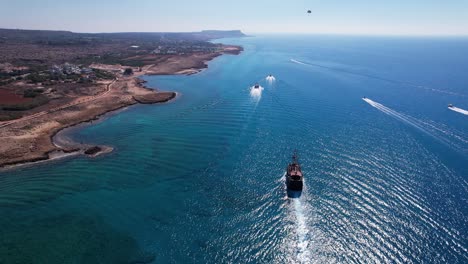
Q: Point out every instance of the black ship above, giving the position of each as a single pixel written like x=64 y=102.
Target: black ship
x=294 y=178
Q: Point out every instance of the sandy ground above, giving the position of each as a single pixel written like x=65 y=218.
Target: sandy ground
x=29 y=139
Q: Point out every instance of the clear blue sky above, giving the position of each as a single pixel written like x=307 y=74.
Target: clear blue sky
x=402 y=17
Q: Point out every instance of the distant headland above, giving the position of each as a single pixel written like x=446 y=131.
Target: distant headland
x=50 y=80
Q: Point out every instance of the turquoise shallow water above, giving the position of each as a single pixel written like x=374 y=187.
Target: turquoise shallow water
x=200 y=180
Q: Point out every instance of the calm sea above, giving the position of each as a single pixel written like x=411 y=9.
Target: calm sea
x=201 y=179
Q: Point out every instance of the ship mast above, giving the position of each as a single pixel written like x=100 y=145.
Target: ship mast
x=294 y=157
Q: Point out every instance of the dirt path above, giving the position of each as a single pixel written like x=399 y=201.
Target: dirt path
x=81 y=100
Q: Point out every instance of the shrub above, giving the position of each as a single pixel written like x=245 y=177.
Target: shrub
x=37 y=101
x=36 y=78
x=32 y=93
x=100 y=74
x=128 y=71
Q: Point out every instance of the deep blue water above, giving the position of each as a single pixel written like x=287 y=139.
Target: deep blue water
x=201 y=179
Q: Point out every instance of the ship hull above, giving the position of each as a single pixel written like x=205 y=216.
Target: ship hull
x=293 y=185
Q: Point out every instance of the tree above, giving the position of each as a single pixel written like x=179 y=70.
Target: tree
x=128 y=71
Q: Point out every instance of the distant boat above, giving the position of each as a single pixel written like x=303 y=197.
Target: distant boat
x=256 y=86
x=294 y=178
x=450 y=105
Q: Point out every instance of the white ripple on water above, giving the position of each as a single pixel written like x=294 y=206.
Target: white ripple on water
x=371 y=209
x=302 y=230
x=378 y=78
x=441 y=128
x=419 y=210
x=409 y=120
x=420 y=125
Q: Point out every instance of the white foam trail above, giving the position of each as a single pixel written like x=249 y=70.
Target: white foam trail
x=459 y=110
x=302 y=232
x=256 y=93
x=298 y=62
x=422 y=126
x=270 y=79
x=409 y=120
x=379 y=78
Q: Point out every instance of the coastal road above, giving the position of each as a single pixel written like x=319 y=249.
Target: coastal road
x=76 y=102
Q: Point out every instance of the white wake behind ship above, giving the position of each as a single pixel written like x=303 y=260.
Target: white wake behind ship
x=458 y=110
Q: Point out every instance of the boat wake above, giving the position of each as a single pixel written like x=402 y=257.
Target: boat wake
x=301 y=253
x=256 y=93
x=270 y=79
x=299 y=62
x=378 y=78
x=443 y=135
x=302 y=232
x=458 y=110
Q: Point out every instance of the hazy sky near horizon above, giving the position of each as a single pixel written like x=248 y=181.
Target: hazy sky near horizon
x=382 y=17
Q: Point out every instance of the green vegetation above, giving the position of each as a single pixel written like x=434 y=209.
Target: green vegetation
x=128 y=71
x=38 y=100
x=100 y=74
x=38 y=77
x=8 y=115
x=8 y=75
x=34 y=67
x=112 y=59
x=132 y=63
x=5 y=82
x=84 y=80
x=32 y=93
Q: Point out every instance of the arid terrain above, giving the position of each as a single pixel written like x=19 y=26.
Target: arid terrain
x=42 y=92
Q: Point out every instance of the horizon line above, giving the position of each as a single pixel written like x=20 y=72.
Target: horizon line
x=250 y=34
